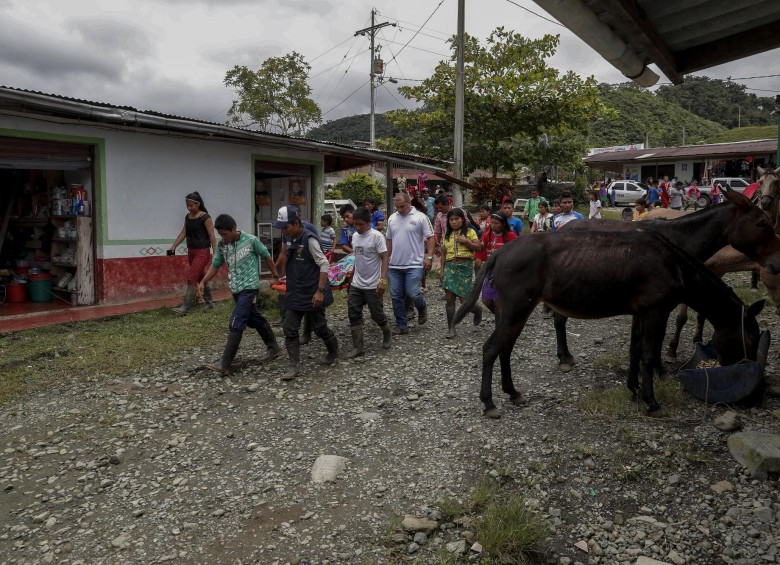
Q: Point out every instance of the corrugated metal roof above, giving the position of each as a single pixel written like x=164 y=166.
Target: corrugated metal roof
x=712 y=150
x=11 y=97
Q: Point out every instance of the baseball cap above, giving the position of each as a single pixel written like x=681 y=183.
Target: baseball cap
x=286 y=215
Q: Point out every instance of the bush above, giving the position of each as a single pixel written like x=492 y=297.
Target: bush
x=333 y=194
x=490 y=191
x=359 y=186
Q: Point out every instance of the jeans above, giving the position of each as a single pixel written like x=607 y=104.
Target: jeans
x=359 y=297
x=245 y=313
x=292 y=323
x=405 y=283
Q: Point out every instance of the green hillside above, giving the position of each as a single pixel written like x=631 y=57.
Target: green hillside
x=354 y=128
x=641 y=113
x=745 y=134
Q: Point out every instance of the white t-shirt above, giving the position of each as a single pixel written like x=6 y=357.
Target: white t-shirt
x=368 y=264
x=595 y=209
x=408 y=234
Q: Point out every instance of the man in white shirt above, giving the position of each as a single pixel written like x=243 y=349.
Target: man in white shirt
x=410 y=243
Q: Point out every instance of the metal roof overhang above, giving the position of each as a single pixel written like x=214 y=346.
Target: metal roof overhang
x=336 y=157
x=735 y=150
x=680 y=36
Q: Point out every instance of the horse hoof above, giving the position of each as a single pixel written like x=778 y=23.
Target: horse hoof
x=519 y=400
x=493 y=413
x=656 y=412
x=565 y=367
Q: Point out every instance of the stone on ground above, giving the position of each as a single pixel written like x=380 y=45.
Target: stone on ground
x=759 y=452
x=327 y=467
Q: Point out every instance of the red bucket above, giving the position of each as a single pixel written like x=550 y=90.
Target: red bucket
x=16 y=293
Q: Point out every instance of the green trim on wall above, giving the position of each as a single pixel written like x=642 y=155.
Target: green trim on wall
x=99 y=190
x=317 y=182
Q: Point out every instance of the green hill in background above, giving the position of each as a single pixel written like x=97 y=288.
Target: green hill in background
x=745 y=134
x=354 y=129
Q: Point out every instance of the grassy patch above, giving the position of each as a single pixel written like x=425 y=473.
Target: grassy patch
x=611 y=403
x=610 y=361
x=507 y=530
x=44 y=358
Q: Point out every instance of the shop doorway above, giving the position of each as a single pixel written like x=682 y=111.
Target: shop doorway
x=47 y=255
x=278 y=184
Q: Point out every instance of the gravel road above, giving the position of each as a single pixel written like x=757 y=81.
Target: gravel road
x=170 y=464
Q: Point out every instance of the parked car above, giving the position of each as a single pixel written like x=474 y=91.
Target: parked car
x=627 y=192
x=735 y=183
x=332 y=207
x=520 y=207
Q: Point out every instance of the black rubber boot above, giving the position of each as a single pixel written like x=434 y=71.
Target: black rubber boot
x=294 y=369
x=269 y=338
x=208 y=298
x=387 y=335
x=231 y=347
x=477 y=311
x=333 y=351
x=306 y=337
x=189 y=301
x=450 y=308
x=358 y=343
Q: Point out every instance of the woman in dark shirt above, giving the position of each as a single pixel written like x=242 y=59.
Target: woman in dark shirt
x=198 y=230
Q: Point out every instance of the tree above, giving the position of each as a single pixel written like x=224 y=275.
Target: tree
x=510 y=91
x=275 y=98
x=359 y=186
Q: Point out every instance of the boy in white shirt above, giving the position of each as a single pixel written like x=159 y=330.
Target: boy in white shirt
x=369 y=281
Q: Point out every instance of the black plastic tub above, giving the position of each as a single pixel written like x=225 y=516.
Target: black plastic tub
x=731 y=383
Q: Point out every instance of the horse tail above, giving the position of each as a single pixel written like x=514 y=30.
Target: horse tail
x=476 y=289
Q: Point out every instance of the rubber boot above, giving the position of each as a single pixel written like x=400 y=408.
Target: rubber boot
x=450 y=315
x=333 y=351
x=231 y=347
x=189 y=301
x=269 y=338
x=387 y=335
x=306 y=337
x=477 y=311
x=208 y=298
x=294 y=369
x=358 y=344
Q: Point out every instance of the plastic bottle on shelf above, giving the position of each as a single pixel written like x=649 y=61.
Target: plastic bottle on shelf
x=74 y=207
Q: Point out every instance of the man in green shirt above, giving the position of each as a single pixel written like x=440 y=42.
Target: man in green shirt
x=242 y=252
x=532 y=206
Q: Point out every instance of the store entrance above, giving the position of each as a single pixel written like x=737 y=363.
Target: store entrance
x=278 y=184
x=46 y=229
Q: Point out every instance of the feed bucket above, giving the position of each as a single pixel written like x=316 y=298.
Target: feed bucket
x=40 y=287
x=16 y=292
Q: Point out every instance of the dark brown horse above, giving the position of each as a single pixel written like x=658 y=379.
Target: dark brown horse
x=737 y=223
x=640 y=273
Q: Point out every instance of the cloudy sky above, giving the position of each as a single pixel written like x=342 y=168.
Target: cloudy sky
x=172 y=55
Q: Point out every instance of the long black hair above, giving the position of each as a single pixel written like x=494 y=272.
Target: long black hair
x=195 y=197
x=504 y=222
x=464 y=229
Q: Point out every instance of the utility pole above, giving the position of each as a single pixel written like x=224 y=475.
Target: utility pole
x=683 y=135
x=457 y=195
x=371 y=32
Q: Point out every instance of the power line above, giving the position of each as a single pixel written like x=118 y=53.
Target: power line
x=417 y=49
x=415 y=26
x=351 y=94
x=749 y=78
x=338 y=64
x=535 y=14
x=331 y=49
x=436 y=9
x=394 y=98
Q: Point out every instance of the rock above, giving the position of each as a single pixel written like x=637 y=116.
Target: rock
x=253 y=387
x=121 y=541
x=759 y=452
x=368 y=416
x=728 y=422
x=618 y=519
x=39 y=519
x=414 y=524
x=413 y=548
x=642 y=560
x=673 y=480
x=582 y=545
x=456 y=547
x=477 y=547
x=327 y=467
x=420 y=538
x=721 y=486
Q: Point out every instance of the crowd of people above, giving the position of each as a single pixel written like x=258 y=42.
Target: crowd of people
x=382 y=254
x=662 y=193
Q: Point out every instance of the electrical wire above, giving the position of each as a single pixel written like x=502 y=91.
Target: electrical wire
x=535 y=14
x=331 y=49
x=417 y=49
x=351 y=94
x=401 y=104
x=436 y=9
x=416 y=26
x=341 y=78
x=339 y=63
